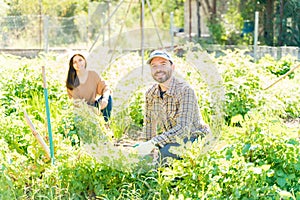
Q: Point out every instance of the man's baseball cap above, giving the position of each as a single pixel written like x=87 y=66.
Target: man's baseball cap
x=161 y=54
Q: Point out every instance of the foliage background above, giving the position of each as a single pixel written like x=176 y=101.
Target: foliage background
x=227 y=21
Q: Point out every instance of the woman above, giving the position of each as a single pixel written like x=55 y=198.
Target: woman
x=88 y=85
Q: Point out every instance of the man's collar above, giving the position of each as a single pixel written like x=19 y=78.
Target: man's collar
x=170 y=91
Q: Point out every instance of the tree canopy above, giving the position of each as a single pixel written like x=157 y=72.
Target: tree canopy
x=279 y=19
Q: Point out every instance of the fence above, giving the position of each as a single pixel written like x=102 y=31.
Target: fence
x=29 y=35
x=42 y=32
x=45 y=32
x=32 y=34
x=276 y=52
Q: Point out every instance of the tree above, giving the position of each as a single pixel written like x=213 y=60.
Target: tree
x=268 y=17
x=162 y=9
x=52 y=8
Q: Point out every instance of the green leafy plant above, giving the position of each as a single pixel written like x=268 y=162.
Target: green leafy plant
x=217 y=29
x=256 y=158
x=280 y=67
x=136 y=109
x=242 y=84
x=251 y=166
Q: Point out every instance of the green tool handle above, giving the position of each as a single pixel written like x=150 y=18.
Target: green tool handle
x=48 y=115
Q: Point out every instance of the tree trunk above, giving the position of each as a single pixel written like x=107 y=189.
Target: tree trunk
x=198 y=19
x=212 y=9
x=280 y=38
x=269 y=23
x=190 y=20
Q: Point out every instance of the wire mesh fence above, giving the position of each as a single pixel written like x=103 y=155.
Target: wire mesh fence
x=103 y=22
x=42 y=32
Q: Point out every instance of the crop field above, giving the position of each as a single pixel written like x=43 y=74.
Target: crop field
x=253 y=152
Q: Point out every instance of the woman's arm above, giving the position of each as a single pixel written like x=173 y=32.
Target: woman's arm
x=103 y=91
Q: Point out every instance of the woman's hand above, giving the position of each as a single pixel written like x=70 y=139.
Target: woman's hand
x=103 y=103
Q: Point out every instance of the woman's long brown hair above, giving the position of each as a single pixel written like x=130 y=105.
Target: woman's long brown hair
x=72 y=78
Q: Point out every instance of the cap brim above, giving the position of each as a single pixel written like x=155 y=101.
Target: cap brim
x=158 y=56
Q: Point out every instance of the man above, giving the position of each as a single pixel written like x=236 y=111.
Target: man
x=170 y=108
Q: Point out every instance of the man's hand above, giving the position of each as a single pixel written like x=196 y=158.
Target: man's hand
x=145 y=148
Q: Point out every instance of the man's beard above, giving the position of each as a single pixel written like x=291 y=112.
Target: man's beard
x=162 y=78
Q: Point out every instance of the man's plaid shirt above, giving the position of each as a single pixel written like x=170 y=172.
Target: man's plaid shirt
x=175 y=115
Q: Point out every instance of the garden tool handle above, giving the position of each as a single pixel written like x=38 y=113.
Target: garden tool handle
x=44 y=77
x=37 y=135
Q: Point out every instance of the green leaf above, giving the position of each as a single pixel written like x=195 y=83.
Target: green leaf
x=228 y=154
x=246 y=148
x=281 y=182
x=291 y=176
x=297 y=166
x=280 y=173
